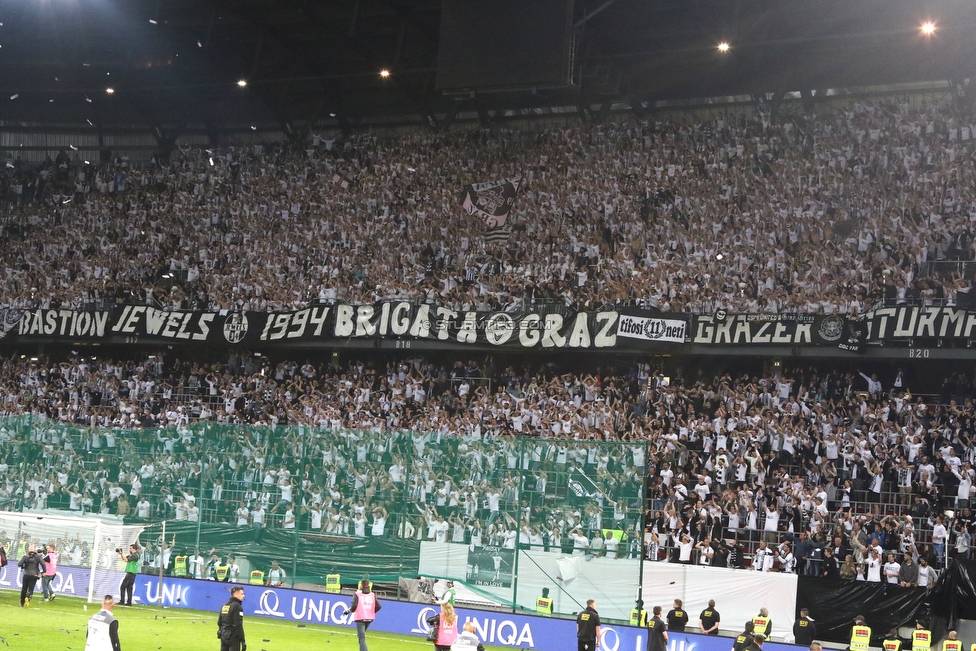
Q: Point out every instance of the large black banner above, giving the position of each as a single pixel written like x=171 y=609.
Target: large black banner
x=884 y=325
x=404 y=320
x=630 y=329
x=790 y=329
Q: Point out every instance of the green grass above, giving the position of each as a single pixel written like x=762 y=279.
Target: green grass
x=61 y=625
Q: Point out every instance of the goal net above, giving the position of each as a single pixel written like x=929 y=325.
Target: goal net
x=88 y=565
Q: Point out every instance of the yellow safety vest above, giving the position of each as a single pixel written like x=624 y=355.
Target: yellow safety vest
x=892 y=645
x=761 y=624
x=221 y=572
x=543 y=605
x=638 y=617
x=179 y=566
x=921 y=639
x=952 y=645
x=332 y=583
x=860 y=637
x=257 y=577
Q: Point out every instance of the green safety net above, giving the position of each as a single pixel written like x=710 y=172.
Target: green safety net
x=323 y=501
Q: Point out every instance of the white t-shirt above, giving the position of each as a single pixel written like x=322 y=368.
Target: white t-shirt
x=440 y=531
x=891 y=570
x=874 y=569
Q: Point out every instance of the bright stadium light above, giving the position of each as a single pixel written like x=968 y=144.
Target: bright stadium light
x=110 y=90
x=384 y=73
x=242 y=83
x=928 y=28
x=723 y=47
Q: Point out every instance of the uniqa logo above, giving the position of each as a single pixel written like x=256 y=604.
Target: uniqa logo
x=265 y=606
x=319 y=611
x=422 y=626
x=505 y=632
x=62 y=583
x=172 y=594
x=609 y=639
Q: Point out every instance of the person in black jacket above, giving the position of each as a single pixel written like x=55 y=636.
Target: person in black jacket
x=657 y=634
x=830 y=567
x=230 y=623
x=804 y=629
x=744 y=639
x=33 y=567
x=677 y=618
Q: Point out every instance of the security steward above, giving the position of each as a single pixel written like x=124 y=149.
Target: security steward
x=709 y=619
x=921 y=637
x=543 y=604
x=179 y=565
x=588 y=627
x=891 y=642
x=763 y=623
x=804 y=629
x=657 y=634
x=757 y=643
x=103 y=629
x=638 y=616
x=677 y=618
x=744 y=639
x=230 y=623
x=860 y=635
x=952 y=642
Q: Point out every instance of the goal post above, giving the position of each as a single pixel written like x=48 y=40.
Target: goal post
x=87 y=563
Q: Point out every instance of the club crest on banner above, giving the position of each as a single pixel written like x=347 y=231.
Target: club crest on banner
x=235 y=328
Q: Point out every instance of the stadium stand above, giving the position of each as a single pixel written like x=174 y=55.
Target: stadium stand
x=827 y=213
x=803 y=456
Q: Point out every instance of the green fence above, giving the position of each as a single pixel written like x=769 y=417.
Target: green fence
x=490 y=512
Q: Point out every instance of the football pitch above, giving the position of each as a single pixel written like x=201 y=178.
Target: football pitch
x=62 y=623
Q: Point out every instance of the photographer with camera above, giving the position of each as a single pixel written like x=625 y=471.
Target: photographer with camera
x=131 y=569
x=33 y=566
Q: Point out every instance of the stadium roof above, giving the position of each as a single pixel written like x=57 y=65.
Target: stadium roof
x=177 y=63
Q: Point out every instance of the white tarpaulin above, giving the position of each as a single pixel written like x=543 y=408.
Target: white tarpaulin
x=738 y=594
x=571 y=579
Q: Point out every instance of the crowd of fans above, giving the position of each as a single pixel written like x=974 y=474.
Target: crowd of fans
x=822 y=213
x=786 y=465
x=822 y=471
